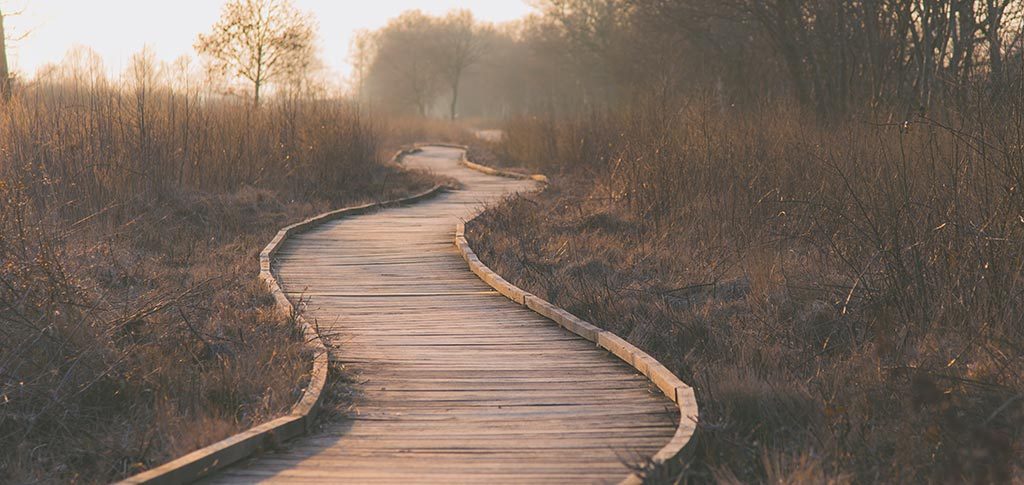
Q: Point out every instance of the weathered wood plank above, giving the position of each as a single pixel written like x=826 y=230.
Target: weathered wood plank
x=453 y=382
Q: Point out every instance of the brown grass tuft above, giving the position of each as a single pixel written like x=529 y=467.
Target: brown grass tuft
x=846 y=299
x=132 y=325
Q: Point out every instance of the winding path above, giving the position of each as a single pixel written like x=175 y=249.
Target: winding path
x=453 y=382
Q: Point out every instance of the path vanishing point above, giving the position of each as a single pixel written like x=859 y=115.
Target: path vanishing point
x=453 y=383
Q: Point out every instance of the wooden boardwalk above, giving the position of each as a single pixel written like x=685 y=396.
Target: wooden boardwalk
x=453 y=382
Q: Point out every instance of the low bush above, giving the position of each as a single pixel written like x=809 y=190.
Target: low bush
x=133 y=328
x=846 y=298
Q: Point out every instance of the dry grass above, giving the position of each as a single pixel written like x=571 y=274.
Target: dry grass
x=401 y=131
x=846 y=299
x=132 y=325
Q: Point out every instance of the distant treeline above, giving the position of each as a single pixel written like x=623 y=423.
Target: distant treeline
x=810 y=210
x=573 y=55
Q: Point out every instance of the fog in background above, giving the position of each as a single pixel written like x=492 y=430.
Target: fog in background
x=830 y=57
x=115 y=29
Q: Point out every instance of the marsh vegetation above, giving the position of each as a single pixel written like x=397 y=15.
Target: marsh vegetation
x=133 y=328
x=811 y=211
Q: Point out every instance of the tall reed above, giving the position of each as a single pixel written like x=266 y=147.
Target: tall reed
x=132 y=325
x=847 y=298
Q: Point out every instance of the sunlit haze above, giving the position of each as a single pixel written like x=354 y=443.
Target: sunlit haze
x=117 y=28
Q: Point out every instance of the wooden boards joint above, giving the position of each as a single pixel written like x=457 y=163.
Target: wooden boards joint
x=668 y=383
x=301 y=418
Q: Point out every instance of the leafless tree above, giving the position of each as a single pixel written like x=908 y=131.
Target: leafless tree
x=5 y=75
x=592 y=38
x=416 y=58
x=261 y=41
x=830 y=57
x=404 y=71
x=141 y=78
x=362 y=52
x=460 y=44
x=837 y=56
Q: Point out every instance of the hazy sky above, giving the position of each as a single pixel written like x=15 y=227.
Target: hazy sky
x=117 y=28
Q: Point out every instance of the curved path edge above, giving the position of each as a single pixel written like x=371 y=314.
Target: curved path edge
x=484 y=168
x=302 y=415
x=669 y=384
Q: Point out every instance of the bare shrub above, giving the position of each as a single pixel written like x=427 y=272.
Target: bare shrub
x=132 y=325
x=846 y=298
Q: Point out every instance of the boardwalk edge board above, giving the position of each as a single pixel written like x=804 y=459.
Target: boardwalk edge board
x=301 y=417
x=668 y=383
x=400 y=154
x=484 y=168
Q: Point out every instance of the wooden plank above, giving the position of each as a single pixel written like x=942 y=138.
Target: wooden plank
x=452 y=381
x=670 y=385
x=301 y=415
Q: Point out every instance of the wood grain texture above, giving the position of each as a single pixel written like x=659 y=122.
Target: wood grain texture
x=453 y=382
x=301 y=416
x=667 y=382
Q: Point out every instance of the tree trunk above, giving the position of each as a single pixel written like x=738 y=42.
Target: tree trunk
x=995 y=45
x=5 y=75
x=455 y=96
x=258 y=82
